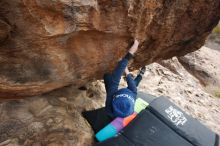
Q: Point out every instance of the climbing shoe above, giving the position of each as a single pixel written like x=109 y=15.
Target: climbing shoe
x=142 y=71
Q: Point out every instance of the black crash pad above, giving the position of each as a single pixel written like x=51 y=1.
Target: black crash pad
x=98 y=118
x=146 y=130
x=116 y=141
x=186 y=126
x=146 y=97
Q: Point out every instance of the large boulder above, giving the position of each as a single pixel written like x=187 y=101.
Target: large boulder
x=52 y=119
x=45 y=44
x=205 y=66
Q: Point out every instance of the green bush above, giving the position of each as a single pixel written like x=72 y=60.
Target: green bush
x=217 y=94
x=217 y=29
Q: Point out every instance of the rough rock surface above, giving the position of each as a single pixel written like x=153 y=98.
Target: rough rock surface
x=208 y=75
x=45 y=45
x=54 y=119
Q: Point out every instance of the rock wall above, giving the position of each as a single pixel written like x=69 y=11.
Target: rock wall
x=54 y=119
x=208 y=74
x=45 y=45
x=49 y=120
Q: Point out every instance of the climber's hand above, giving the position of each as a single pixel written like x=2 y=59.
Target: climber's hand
x=134 y=47
x=126 y=71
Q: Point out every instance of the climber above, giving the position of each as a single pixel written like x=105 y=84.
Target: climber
x=120 y=103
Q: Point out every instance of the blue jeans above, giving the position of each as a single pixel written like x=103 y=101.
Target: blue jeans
x=112 y=82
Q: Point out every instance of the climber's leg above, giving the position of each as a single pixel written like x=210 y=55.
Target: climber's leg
x=131 y=83
x=139 y=77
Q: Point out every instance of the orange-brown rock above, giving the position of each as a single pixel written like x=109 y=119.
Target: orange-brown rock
x=48 y=44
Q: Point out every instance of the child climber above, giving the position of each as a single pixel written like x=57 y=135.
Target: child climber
x=120 y=102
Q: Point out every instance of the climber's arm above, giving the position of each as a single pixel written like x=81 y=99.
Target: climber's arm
x=130 y=81
x=119 y=70
x=112 y=80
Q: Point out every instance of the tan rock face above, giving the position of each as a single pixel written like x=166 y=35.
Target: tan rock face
x=208 y=74
x=54 y=119
x=45 y=45
x=50 y=120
